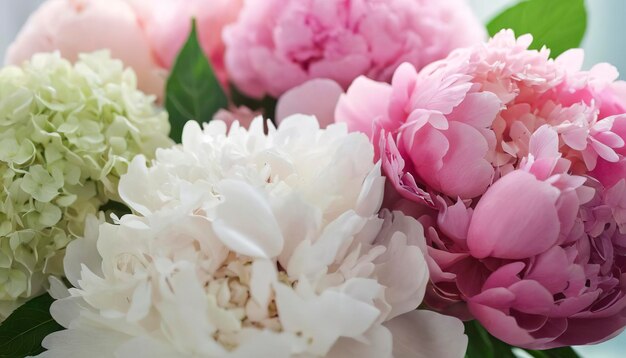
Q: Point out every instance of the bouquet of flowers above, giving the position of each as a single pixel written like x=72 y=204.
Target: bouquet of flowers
x=309 y=178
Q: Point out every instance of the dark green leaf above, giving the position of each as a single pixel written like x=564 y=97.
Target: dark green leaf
x=565 y=352
x=193 y=92
x=501 y=349
x=267 y=105
x=21 y=334
x=114 y=207
x=484 y=345
x=480 y=342
x=557 y=24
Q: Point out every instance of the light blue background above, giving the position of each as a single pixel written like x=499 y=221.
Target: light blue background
x=605 y=42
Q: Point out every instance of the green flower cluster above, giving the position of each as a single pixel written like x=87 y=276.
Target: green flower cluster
x=67 y=133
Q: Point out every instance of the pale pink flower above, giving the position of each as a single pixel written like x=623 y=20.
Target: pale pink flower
x=145 y=34
x=279 y=44
x=317 y=98
x=167 y=24
x=475 y=112
x=80 y=26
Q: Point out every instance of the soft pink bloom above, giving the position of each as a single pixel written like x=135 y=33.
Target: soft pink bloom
x=145 y=34
x=279 y=44
x=516 y=166
x=167 y=24
x=317 y=98
x=475 y=111
x=78 y=26
x=538 y=260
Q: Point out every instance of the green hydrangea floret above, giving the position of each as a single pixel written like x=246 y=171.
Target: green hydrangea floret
x=67 y=133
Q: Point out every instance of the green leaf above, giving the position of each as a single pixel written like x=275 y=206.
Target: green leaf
x=484 y=345
x=192 y=92
x=480 y=342
x=558 y=24
x=114 y=207
x=21 y=334
x=267 y=105
x=565 y=352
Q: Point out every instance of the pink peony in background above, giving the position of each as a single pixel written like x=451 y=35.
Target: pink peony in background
x=78 y=26
x=145 y=34
x=279 y=44
x=167 y=24
x=515 y=164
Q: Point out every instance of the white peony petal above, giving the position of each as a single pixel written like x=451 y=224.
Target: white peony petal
x=298 y=123
x=245 y=221
x=404 y=292
x=426 y=334
x=263 y=276
x=184 y=307
x=192 y=137
x=82 y=342
x=296 y=228
x=81 y=252
x=363 y=289
x=148 y=347
x=141 y=302
x=66 y=310
x=309 y=258
x=132 y=187
x=263 y=343
x=323 y=319
x=57 y=289
x=378 y=344
x=371 y=196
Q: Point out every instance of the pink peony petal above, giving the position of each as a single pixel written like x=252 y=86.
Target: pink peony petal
x=551 y=270
x=504 y=276
x=477 y=109
x=465 y=172
x=316 y=97
x=394 y=167
x=516 y=218
x=531 y=297
x=454 y=220
x=364 y=102
x=499 y=297
x=501 y=325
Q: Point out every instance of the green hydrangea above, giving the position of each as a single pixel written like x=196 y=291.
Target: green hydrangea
x=67 y=133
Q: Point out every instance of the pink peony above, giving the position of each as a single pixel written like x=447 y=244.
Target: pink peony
x=475 y=111
x=279 y=44
x=78 y=26
x=145 y=34
x=167 y=24
x=516 y=165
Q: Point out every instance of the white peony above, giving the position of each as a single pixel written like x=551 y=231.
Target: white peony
x=253 y=245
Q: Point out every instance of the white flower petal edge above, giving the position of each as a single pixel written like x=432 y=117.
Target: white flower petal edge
x=429 y=342
x=251 y=244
